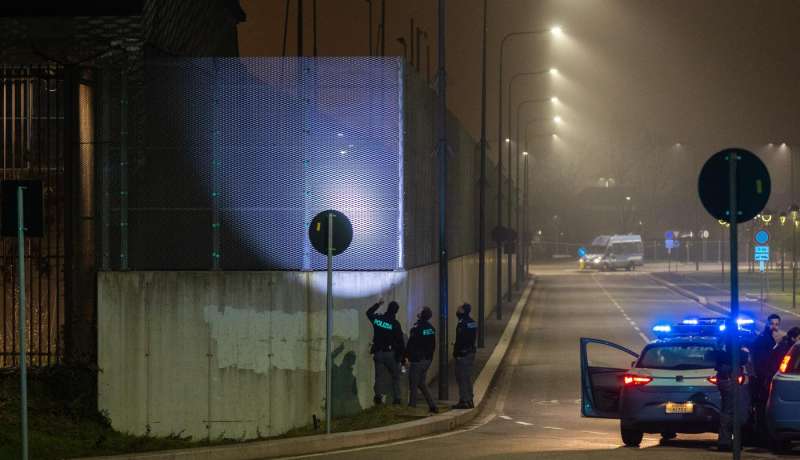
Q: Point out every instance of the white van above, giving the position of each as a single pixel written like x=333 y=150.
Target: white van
x=621 y=251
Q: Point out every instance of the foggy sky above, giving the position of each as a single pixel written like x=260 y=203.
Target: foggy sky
x=636 y=76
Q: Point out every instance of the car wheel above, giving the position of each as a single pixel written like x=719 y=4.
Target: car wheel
x=666 y=436
x=631 y=438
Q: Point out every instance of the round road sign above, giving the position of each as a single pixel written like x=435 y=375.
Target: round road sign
x=761 y=237
x=342 y=232
x=753 y=185
x=581 y=252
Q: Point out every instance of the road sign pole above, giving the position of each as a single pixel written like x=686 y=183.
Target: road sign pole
x=329 y=329
x=23 y=368
x=732 y=324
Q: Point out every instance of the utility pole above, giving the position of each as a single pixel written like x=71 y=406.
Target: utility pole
x=383 y=28
x=299 y=28
x=482 y=185
x=443 y=257
x=314 y=14
x=369 y=27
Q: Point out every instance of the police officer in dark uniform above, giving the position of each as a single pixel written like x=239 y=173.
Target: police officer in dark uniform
x=464 y=354
x=419 y=353
x=725 y=384
x=387 y=347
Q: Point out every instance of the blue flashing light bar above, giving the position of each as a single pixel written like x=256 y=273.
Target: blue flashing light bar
x=691 y=321
x=662 y=328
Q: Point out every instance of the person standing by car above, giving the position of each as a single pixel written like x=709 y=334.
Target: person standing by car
x=725 y=384
x=387 y=347
x=419 y=353
x=759 y=385
x=464 y=354
x=781 y=349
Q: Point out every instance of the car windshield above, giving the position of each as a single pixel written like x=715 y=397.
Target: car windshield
x=685 y=356
x=596 y=250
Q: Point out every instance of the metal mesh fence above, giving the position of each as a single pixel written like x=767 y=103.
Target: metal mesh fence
x=242 y=153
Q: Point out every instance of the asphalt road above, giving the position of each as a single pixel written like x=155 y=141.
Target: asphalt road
x=533 y=409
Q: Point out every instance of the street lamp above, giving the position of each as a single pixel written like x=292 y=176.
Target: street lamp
x=555 y=30
x=766 y=216
x=794 y=213
x=520 y=238
x=510 y=99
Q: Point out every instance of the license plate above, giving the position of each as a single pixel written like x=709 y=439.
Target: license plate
x=679 y=408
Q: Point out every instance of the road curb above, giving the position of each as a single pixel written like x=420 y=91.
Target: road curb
x=308 y=445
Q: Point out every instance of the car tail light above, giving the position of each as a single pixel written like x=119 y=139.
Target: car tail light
x=785 y=363
x=713 y=379
x=633 y=380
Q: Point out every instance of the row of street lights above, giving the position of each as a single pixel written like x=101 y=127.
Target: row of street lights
x=556 y=31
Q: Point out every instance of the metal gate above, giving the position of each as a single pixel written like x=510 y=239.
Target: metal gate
x=32 y=131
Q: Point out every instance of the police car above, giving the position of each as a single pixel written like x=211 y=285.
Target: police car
x=669 y=388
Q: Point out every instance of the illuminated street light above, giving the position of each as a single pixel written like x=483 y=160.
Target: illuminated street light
x=627 y=198
x=557 y=119
x=553 y=71
x=554 y=100
x=766 y=216
x=782 y=218
x=508 y=140
x=555 y=136
x=556 y=30
x=525 y=153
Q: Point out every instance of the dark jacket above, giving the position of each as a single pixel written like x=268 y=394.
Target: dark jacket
x=775 y=359
x=762 y=351
x=421 y=342
x=466 y=331
x=724 y=363
x=387 y=334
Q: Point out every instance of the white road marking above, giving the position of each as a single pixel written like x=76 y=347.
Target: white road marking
x=524 y=423
x=633 y=323
x=552 y=428
x=595 y=433
x=505 y=417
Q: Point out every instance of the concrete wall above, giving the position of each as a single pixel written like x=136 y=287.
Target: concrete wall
x=242 y=354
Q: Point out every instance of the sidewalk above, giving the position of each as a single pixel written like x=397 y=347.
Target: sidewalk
x=487 y=362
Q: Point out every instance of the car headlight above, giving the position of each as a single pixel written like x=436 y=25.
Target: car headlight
x=598 y=260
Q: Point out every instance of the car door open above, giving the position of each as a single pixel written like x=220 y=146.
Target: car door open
x=601 y=383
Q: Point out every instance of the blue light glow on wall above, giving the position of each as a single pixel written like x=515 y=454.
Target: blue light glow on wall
x=290 y=138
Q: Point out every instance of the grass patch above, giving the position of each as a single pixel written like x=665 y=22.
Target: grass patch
x=374 y=417
x=63 y=422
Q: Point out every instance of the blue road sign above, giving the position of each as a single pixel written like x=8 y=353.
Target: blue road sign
x=761 y=254
x=581 y=252
x=668 y=235
x=761 y=237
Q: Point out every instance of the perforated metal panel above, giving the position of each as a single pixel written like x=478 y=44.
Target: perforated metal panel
x=242 y=153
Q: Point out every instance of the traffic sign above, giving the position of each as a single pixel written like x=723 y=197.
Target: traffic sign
x=753 y=185
x=761 y=254
x=705 y=234
x=668 y=235
x=669 y=244
x=581 y=252
x=761 y=237
x=342 y=232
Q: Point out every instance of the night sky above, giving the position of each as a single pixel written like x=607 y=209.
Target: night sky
x=636 y=78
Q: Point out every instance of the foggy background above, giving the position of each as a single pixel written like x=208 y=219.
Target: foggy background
x=647 y=90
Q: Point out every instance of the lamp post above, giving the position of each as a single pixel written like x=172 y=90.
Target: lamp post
x=782 y=221
x=520 y=237
x=794 y=213
x=551 y=71
x=482 y=185
x=503 y=42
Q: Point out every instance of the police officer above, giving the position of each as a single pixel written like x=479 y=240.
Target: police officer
x=419 y=353
x=464 y=354
x=762 y=349
x=387 y=347
x=725 y=384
